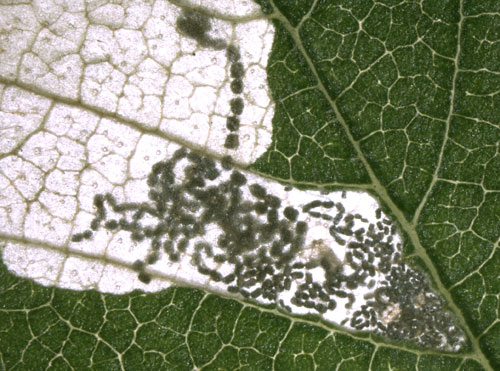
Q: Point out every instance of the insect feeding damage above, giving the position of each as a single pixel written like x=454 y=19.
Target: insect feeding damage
x=305 y=251
x=196 y=25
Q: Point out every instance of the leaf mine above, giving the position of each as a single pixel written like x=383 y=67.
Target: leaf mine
x=132 y=172
x=305 y=251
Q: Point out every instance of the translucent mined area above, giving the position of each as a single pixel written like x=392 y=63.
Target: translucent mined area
x=97 y=196
x=207 y=224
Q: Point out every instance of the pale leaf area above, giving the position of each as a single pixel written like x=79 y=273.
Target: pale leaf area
x=94 y=96
x=49 y=188
x=130 y=61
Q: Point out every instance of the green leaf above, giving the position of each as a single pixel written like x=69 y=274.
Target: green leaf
x=396 y=98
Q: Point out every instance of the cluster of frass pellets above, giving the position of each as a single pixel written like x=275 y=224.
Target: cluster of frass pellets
x=196 y=25
x=233 y=122
x=263 y=238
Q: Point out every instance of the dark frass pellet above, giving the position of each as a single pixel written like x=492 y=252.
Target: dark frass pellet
x=276 y=249
x=311 y=205
x=323 y=296
x=194 y=24
x=94 y=224
x=321 y=308
x=245 y=293
x=249 y=260
x=313 y=293
x=339 y=240
x=351 y=283
x=144 y=277
x=233 y=123
x=137 y=236
x=203 y=270
x=157 y=168
x=232 y=141
x=297 y=275
x=272 y=216
x=257 y=191
x=220 y=258
x=256 y=293
x=309 y=304
x=180 y=153
x=260 y=207
x=341 y=294
x=215 y=276
x=250 y=282
x=207 y=162
x=298 y=265
x=87 y=234
x=152 y=258
x=182 y=244
x=138 y=265
x=286 y=235
x=340 y=208
x=238 y=178
x=174 y=257
x=101 y=214
x=148 y=232
x=111 y=224
x=332 y=304
x=110 y=198
x=359 y=231
x=237 y=70
x=237 y=86
x=216 y=44
x=233 y=53
x=301 y=228
x=168 y=246
x=229 y=278
x=226 y=162
x=236 y=105
x=270 y=270
x=99 y=201
x=77 y=237
x=273 y=201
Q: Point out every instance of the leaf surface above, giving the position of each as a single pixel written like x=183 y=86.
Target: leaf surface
x=395 y=98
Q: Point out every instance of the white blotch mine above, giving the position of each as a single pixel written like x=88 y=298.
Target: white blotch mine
x=92 y=202
x=163 y=215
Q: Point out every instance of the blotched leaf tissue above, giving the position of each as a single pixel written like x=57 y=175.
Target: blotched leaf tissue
x=266 y=156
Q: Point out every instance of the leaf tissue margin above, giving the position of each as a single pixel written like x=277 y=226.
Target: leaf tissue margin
x=485 y=215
